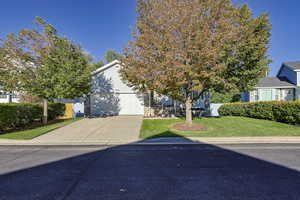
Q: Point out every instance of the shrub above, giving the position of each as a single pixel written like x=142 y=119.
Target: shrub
x=19 y=115
x=56 y=110
x=282 y=111
x=228 y=97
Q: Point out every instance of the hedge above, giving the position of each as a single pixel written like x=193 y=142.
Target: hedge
x=56 y=110
x=19 y=115
x=281 y=111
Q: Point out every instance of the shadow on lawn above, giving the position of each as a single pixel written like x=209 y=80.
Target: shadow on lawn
x=33 y=126
x=152 y=172
x=168 y=133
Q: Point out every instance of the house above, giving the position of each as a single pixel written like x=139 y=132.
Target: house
x=6 y=97
x=111 y=96
x=284 y=87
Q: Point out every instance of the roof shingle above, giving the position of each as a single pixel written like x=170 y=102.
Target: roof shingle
x=294 y=65
x=274 y=82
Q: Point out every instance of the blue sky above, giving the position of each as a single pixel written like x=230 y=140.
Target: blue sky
x=100 y=25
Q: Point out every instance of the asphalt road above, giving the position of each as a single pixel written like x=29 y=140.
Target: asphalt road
x=200 y=172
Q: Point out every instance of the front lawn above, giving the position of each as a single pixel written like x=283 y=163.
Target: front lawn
x=219 y=127
x=38 y=130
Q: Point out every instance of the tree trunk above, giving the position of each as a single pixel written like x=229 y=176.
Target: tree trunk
x=45 y=111
x=10 y=97
x=188 y=111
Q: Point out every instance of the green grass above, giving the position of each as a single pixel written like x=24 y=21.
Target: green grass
x=38 y=130
x=219 y=127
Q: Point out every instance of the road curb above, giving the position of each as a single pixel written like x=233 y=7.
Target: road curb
x=161 y=141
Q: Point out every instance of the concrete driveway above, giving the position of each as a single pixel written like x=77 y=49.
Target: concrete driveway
x=119 y=129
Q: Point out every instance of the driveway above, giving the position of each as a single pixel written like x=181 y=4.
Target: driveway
x=119 y=129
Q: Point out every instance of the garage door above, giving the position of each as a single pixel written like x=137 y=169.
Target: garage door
x=131 y=104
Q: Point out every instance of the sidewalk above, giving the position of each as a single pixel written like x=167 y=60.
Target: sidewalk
x=160 y=141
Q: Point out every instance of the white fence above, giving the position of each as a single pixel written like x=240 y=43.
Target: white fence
x=214 y=109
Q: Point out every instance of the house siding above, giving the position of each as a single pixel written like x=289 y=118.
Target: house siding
x=116 y=81
x=4 y=98
x=111 y=96
x=277 y=94
x=297 y=94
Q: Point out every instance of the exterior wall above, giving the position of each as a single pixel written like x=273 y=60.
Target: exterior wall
x=111 y=96
x=277 y=94
x=164 y=106
x=252 y=95
x=298 y=79
x=297 y=93
x=290 y=74
x=117 y=84
x=4 y=98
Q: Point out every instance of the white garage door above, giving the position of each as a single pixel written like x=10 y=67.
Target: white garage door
x=131 y=104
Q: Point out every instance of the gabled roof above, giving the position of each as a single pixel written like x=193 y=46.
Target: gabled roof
x=294 y=65
x=274 y=82
x=105 y=67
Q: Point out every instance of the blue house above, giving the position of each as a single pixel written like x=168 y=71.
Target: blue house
x=284 y=87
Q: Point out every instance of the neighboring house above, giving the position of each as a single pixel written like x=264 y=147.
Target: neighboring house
x=284 y=87
x=111 y=96
x=6 y=97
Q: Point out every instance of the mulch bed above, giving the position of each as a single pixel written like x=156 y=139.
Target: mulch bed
x=186 y=127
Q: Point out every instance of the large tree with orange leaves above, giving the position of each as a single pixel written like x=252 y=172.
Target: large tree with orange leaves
x=183 y=48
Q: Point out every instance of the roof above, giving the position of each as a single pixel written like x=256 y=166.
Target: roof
x=274 y=82
x=105 y=67
x=294 y=65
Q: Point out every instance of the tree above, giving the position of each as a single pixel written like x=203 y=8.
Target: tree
x=111 y=55
x=226 y=97
x=40 y=63
x=185 y=48
x=97 y=64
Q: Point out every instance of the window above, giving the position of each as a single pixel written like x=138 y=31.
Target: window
x=266 y=95
x=14 y=95
x=3 y=95
x=289 y=92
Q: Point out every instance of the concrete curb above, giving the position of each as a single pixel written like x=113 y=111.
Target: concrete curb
x=160 y=141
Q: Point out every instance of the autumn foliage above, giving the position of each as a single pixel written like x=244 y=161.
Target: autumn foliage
x=183 y=48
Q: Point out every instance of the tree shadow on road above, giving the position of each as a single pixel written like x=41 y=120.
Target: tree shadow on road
x=136 y=171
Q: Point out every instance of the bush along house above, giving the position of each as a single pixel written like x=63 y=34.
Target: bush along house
x=284 y=87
